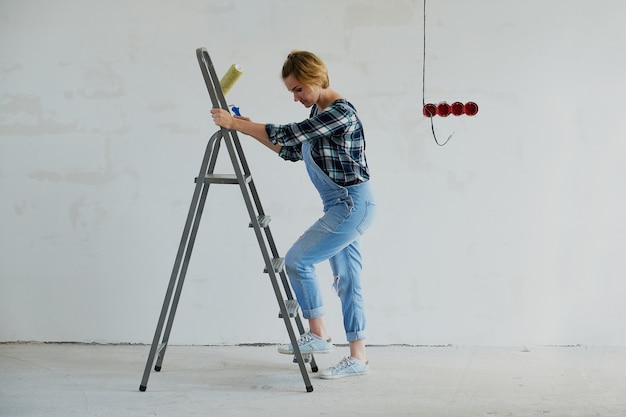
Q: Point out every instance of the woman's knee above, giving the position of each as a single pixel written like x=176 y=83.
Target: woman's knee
x=293 y=264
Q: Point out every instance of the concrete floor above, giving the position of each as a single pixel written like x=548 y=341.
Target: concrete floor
x=103 y=380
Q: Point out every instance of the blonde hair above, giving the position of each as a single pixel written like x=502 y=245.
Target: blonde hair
x=307 y=68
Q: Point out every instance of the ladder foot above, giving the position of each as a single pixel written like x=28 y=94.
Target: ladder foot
x=142 y=388
x=314 y=368
x=309 y=388
x=157 y=368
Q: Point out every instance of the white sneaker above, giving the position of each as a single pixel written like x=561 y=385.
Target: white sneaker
x=347 y=367
x=308 y=343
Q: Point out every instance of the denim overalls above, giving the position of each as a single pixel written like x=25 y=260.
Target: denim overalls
x=348 y=212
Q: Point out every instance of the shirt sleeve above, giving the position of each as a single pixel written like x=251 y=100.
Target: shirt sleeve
x=291 y=153
x=287 y=152
x=331 y=122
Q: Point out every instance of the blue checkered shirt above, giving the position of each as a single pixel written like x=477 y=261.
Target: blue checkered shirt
x=337 y=142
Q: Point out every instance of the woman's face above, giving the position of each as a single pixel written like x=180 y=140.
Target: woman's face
x=307 y=95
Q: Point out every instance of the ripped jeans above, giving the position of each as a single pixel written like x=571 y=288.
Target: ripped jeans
x=334 y=237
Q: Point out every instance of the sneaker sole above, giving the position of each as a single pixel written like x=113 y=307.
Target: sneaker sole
x=339 y=376
x=291 y=352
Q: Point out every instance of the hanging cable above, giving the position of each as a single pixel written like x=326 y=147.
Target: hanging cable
x=430 y=115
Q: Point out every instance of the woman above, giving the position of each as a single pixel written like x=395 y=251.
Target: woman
x=332 y=145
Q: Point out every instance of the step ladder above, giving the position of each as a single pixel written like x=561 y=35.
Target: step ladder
x=259 y=221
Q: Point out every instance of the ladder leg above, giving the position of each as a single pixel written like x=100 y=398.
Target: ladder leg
x=309 y=357
x=157 y=334
x=208 y=162
x=288 y=293
x=270 y=240
x=292 y=335
x=253 y=205
x=181 y=280
x=214 y=149
x=297 y=319
x=175 y=282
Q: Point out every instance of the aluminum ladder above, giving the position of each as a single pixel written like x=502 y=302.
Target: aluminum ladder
x=259 y=221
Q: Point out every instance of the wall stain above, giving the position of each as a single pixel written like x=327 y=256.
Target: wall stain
x=28 y=117
x=162 y=107
x=6 y=69
x=20 y=208
x=90 y=178
x=102 y=83
x=389 y=13
x=20 y=103
x=176 y=128
x=86 y=217
x=76 y=177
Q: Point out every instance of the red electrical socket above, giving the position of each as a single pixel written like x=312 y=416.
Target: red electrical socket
x=456 y=108
x=470 y=108
x=429 y=110
x=443 y=109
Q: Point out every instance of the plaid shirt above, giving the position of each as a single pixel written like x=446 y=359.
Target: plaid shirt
x=337 y=142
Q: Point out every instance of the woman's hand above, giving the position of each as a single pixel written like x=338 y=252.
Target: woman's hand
x=223 y=118
x=243 y=124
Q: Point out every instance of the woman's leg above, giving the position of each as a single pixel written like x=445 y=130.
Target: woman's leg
x=323 y=240
x=357 y=349
x=317 y=326
x=347 y=266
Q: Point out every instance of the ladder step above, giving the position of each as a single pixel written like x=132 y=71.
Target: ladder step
x=223 y=179
x=263 y=221
x=292 y=308
x=277 y=265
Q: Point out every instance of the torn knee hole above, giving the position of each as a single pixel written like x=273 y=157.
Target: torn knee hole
x=336 y=285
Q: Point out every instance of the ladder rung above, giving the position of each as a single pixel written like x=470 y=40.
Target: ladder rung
x=223 y=179
x=277 y=265
x=263 y=221
x=292 y=308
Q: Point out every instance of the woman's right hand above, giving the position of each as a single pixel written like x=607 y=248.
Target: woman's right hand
x=222 y=118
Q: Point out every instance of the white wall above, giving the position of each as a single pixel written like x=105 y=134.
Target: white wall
x=513 y=233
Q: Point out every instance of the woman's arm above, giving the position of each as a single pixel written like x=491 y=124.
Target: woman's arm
x=244 y=125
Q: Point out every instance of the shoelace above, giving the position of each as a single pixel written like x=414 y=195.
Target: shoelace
x=307 y=337
x=345 y=363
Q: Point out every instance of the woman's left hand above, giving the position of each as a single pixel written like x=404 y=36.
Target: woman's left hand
x=222 y=118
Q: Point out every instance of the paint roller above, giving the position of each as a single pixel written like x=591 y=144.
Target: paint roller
x=231 y=76
x=228 y=80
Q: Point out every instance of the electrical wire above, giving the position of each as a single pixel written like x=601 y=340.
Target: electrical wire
x=430 y=116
